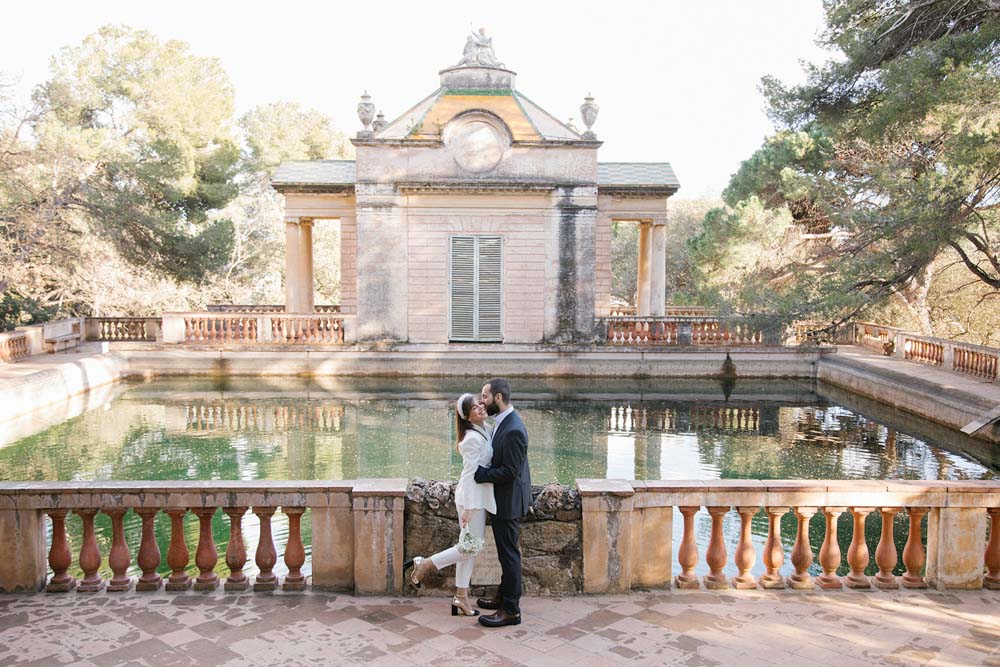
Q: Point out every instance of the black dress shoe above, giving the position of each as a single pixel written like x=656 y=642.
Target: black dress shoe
x=488 y=603
x=499 y=619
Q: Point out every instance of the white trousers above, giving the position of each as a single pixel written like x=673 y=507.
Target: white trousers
x=463 y=564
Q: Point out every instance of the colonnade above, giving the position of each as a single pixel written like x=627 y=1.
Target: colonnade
x=299 y=291
x=652 y=279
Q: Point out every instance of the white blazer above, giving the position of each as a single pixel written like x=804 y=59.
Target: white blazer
x=476 y=451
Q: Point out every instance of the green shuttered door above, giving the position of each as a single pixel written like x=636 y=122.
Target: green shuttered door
x=476 y=311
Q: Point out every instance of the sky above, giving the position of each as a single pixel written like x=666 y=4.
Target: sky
x=676 y=81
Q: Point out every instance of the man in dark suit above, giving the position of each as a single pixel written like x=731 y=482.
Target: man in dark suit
x=508 y=472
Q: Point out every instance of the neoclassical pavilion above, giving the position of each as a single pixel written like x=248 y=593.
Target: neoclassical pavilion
x=475 y=216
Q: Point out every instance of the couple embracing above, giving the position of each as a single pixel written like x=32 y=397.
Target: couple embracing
x=495 y=479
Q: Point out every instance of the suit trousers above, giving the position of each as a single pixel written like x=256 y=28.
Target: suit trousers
x=507 y=533
x=463 y=563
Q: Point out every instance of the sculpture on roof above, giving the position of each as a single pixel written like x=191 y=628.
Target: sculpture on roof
x=478 y=51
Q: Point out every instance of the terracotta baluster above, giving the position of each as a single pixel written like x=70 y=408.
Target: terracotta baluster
x=236 y=551
x=60 y=557
x=119 y=558
x=687 y=555
x=295 y=553
x=266 y=556
x=857 y=553
x=715 y=555
x=913 y=552
x=829 y=553
x=177 y=552
x=802 y=555
x=745 y=555
x=885 y=554
x=205 y=556
x=992 y=557
x=149 y=552
x=90 y=555
x=774 y=552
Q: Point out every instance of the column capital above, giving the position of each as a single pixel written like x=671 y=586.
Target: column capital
x=306 y=221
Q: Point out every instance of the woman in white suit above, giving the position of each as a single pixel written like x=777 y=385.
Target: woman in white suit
x=471 y=499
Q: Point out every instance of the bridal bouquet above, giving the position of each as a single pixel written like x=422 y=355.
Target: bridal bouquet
x=469 y=544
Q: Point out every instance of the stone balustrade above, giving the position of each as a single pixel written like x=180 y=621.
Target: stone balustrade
x=606 y=536
x=357 y=535
x=268 y=329
x=977 y=360
x=114 y=329
x=676 y=330
x=14 y=346
x=264 y=308
x=628 y=528
x=35 y=339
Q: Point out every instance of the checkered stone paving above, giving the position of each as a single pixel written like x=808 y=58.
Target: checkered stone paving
x=694 y=628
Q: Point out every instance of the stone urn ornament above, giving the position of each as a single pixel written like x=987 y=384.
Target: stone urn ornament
x=366 y=112
x=588 y=112
x=380 y=122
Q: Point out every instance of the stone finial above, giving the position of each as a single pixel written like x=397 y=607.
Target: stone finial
x=588 y=111
x=366 y=112
x=380 y=122
x=571 y=124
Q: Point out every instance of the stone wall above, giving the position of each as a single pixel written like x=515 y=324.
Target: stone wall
x=519 y=219
x=551 y=537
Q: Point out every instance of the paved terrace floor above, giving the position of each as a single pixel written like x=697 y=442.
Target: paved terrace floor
x=695 y=628
x=43 y=362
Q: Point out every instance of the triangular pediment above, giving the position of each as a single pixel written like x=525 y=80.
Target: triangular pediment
x=526 y=121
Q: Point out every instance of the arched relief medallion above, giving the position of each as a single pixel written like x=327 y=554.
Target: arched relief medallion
x=477 y=141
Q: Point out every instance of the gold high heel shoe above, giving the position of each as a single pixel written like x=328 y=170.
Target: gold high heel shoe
x=460 y=606
x=421 y=567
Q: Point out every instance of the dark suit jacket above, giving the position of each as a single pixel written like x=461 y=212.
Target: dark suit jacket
x=508 y=471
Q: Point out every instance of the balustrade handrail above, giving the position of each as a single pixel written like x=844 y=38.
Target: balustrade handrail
x=956 y=356
x=957 y=554
x=358 y=536
x=930 y=339
x=226 y=314
x=265 y=308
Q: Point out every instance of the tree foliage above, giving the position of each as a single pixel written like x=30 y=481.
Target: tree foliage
x=891 y=150
x=127 y=186
x=141 y=148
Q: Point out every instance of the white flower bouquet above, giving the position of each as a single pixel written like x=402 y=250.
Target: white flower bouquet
x=469 y=544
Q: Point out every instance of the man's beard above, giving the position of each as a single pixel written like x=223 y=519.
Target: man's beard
x=492 y=409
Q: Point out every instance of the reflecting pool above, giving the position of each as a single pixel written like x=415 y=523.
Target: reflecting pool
x=287 y=428
x=194 y=428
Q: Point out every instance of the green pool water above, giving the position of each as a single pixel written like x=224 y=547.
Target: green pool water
x=192 y=428
x=251 y=429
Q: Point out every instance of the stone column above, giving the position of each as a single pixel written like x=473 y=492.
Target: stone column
x=658 y=270
x=642 y=287
x=652 y=541
x=333 y=543
x=23 y=564
x=607 y=535
x=955 y=547
x=382 y=266
x=378 y=535
x=292 y=263
x=307 y=300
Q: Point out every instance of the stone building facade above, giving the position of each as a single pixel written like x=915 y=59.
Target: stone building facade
x=475 y=216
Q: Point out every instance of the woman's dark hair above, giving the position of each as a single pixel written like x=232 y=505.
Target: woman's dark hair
x=462 y=425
